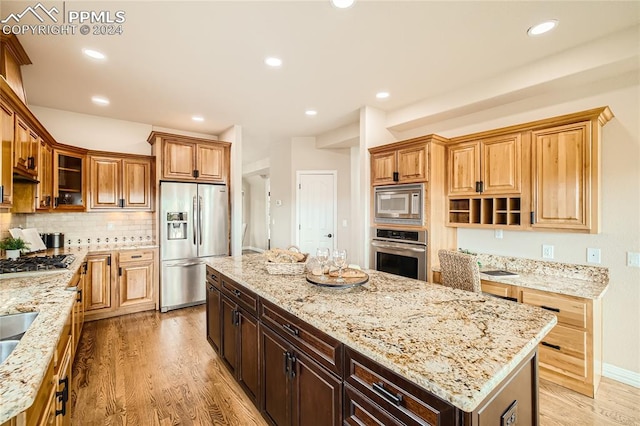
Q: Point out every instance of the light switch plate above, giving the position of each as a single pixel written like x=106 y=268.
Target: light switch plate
x=547 y=251
x=593 y=255
x=633 y=259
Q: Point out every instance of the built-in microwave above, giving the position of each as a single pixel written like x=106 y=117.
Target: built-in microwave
x=401 y=204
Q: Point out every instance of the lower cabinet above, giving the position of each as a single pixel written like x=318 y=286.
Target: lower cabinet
x=297 y=390
x=120 y=282
x=214 y=307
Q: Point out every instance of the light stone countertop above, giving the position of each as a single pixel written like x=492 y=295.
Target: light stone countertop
x=589 y=282
x=22 y=372
x=457 y=345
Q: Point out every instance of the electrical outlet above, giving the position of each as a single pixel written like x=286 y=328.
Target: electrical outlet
x=633 y=259
x=498 y=233
x=547 y=251
x=110 y=226
x=593 y=255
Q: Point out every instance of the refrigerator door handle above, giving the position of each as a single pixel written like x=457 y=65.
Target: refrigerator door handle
x=200 y=219
x=195 y=206
x=182 y=265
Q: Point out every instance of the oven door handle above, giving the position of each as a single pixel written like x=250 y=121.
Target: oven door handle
x=395 y=247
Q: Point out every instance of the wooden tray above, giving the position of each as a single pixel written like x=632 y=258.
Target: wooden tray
x=332 y=282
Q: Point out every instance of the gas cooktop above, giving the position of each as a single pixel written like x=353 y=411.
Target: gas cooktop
x=36 y=263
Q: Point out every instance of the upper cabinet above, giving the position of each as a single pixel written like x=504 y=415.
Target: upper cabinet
x=26 y=149
x=191 y=159
x=488 y=166
x=6 y=155
x=68 y=180
x=120 y=182
x=44 y=196
x=540 y=175
x=405 y=162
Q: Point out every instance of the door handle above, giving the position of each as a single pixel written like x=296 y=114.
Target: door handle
x=195 y=218
x=329 y=235
x=200 y=218
x=180 y=265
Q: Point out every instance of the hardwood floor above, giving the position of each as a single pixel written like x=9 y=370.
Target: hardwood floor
x=158 y=369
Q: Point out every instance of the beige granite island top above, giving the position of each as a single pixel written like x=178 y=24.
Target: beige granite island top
x=455 y=344
x=586 y=281
x=22 y=372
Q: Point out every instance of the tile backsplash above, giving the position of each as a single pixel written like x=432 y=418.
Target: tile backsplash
x=87 y=228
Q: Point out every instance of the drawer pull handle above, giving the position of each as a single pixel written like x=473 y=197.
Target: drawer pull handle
x=394 y=399
x=286 y=363
x=137 y=256
x=214 y=277
x=291 y=330
x=79 y=298
x=556 y=347
x=548 y=308
x=238 y=293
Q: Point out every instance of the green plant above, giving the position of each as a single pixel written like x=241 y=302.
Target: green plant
x=11 y=243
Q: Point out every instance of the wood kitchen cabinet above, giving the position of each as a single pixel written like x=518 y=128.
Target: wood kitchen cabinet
x=120 y=182
x=68 y=180
x=405 y=162
x=44 y=188
x=189 y=159
x=239 y=335
x=6 y=154
x=136 y=270
x=566 y=173
x=98 y=284
x=26 y=149
x=214 y=310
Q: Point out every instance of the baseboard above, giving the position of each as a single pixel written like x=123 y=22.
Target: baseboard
x=628 y=377
x=259 y=250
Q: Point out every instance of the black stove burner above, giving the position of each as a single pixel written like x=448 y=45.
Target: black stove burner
x=36 y=263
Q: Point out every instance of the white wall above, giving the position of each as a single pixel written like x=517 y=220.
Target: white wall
x=255 y=211
x=620 y=201
x=281 y=175
x=234 y=135
x=305 y=156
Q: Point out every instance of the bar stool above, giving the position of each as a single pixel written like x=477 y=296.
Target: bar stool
x=459 y=270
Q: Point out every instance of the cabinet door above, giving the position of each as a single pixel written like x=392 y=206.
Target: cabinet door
x=22 y=147
x=464 y=168
x=383 y=166
x=213 y=316
x=211 y=163
x=136 y=283
x=229 y=339
x=501 y=165
x=247 y=367
x=64 y=382
x=317 y=394
x=98 y=282
x=561 y=177
x=45 y=177
x=105 y=182
x=6 y=154
x=413 y=164
x=136 y=183
x=68 y=181
x=178 y=160
x=276 y=391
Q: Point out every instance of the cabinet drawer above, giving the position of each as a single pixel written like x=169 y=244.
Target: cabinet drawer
x=321 y=347
x=569 y=310
x=360 y=410
x=504 y=291
x=239 y=294
x=213 y=277
x=564 y=349
x=402 y=399
x=135 y=255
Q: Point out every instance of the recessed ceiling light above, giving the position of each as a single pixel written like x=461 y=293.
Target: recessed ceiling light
x=311 y=112
x=99 y=100
x=542 y=27
x=382 y=95
x=342 y=4
x=273 y=61
x=94 y=54
x=197 y=118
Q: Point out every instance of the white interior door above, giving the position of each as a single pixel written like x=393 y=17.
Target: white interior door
x=317 y=210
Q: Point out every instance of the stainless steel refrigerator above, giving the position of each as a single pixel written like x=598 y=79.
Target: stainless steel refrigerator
x=194 y=226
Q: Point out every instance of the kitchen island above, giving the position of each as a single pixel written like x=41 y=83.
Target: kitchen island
x=461 y=348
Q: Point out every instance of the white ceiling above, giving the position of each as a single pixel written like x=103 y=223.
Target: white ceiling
x=176 y=59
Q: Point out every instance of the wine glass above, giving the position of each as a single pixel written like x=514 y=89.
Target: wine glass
x=340 y=259
x=322 y=254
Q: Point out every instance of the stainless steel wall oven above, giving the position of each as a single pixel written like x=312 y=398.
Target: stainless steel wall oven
x=400 y=252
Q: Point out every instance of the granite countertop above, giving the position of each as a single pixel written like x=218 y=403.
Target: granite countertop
x=22 y=372
x=457 y=345
x=589 y=282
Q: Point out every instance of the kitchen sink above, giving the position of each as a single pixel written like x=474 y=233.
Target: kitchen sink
x=12 y=327
x=500 y=273
x=6 y=347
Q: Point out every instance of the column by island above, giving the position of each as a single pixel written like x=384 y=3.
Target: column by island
x=393 y=351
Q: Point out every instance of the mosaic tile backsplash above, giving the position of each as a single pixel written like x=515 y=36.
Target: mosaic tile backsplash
x=81 y=229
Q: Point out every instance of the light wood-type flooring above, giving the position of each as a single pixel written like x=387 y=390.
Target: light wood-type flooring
x=158 y=369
